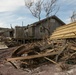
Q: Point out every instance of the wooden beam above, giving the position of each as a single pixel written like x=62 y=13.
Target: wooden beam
x=14 y=65
x=46 y=47
x=62 y=37
x=65 y=31
x=69 y=28
x=66 y=26
x=33 y=56
x=73 y=48
x=69 y=33
x=61 y=50
x=48 y=59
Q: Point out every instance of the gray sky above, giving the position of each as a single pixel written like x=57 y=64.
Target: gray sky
x=14 y=12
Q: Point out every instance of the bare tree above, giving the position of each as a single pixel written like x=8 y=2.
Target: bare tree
x=73 y=17
x=50 y=6
x=34 y=7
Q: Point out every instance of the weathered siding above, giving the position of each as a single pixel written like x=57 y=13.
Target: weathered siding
x=5 y=32
x=30 y=31
x=19 y=32
x=33 y=31
x=50 y=24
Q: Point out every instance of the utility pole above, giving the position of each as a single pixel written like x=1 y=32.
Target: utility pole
x=23 y=40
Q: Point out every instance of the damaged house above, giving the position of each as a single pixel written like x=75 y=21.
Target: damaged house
x=6 y=32
x=38 y=30
x=5 y=36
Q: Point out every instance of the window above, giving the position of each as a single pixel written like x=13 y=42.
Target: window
x=42 y=29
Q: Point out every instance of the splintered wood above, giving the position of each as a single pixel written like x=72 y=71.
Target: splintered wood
x=64 y=52
x=60 y=47
x=65 y=31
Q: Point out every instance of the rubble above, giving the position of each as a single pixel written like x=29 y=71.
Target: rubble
x=32 y=55
x=3 y=45
x=58 y=53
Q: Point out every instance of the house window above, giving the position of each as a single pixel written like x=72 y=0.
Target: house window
x=42 y=29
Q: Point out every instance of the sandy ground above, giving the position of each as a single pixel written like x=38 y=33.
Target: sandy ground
x=50 y=69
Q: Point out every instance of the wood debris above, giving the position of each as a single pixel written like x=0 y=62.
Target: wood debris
x=34 y=53
x=60 y=47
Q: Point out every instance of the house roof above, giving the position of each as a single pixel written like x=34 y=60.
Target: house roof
x=53 y=17
x=5 y=29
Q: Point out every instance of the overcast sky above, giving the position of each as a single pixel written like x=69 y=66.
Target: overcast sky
x=14 y=12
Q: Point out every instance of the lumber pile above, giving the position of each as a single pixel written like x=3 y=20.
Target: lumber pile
x=3 y=45
x=35 y=54
x=61 y=47
x=66 y=31
x=8 y=41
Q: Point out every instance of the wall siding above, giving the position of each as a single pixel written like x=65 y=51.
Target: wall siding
x=19 y=32
x=33 y=32
x=6 y=32
x=51 y=26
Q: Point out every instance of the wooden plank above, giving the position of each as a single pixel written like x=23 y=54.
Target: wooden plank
x=14 y=65
x=68 y=56
x=33 y=56
x=21 y=50
x=66 y=26
x=73 y=48
x=61 y=50
x=45 y=47
x=48 y=59
x=68 y=31
x=62 y=37
x=65 y=31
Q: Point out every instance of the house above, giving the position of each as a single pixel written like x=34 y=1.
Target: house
x=38 y=30
x=6 y=32
x=19 y=32
x=45 y=27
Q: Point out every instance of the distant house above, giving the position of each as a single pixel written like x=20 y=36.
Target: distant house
x=6 y=32
x=40 y=29
x=19 y=32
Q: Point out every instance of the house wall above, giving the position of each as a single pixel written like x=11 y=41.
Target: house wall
x=34 y=31
x=30 y=31
x=5 y=32
x=19 y=32
x=50 y=24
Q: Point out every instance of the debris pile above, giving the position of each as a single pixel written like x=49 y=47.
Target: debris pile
x=36 y=53
x=57 y=50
